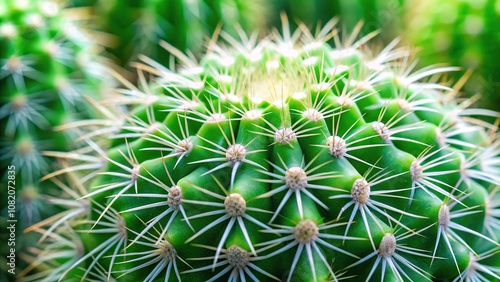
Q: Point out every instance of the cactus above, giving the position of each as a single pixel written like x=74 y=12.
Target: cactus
x=282 y=159
x=47 y=66
x=138 y=26
x=462 y=33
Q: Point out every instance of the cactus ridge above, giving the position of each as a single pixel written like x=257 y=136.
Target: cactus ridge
x=283 y=159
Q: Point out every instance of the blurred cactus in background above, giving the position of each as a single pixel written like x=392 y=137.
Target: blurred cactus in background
x=139 y=25
x=48 y=64
x=382 y=15
x=463 y=33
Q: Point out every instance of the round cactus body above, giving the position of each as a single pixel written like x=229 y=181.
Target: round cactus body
x=289 y=160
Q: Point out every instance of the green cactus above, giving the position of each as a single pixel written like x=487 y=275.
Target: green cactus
x=462 y=33
x=283 y=159
x=138 y=26
x=47 y=66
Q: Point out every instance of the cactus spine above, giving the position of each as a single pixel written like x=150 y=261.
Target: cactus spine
x=288 y=159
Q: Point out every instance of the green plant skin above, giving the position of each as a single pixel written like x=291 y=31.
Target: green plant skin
x=417 y=192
